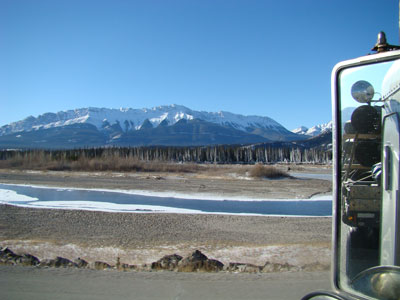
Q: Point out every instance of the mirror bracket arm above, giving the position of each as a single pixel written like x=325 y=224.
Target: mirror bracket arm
x=324 y=293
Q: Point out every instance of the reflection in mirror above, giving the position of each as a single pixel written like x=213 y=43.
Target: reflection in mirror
x=364 y=124
x=362 y=91
x=382 y=282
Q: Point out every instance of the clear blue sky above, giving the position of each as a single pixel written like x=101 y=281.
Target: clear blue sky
x=270 y=58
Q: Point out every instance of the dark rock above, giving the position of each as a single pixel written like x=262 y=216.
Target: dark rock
x=8 y=257
x=212 y=265
x=5 y=261
x=168 y=262
x=243 y=267
x=196 y=256
x=9 y=260
x=81 y=263
x=100 y=265
x=126 y=267
x=7 y=253
x=47 y=263
x=144 y=267
x=198 y=262
x=63 y=262
x=276 y=267
x=58 y=262
x=27 y=260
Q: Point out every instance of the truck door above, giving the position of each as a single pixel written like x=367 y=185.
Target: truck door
x=390 y=235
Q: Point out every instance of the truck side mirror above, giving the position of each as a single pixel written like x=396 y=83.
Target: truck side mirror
x=366 y=141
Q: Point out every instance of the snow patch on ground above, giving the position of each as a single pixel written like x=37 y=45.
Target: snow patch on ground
x=169 y=194
x=7 y=196
x=109 y=207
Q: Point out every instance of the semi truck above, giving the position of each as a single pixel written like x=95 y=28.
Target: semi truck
x=366 y=185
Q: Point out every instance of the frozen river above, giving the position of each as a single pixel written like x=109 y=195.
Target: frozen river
x=126 y=201
x=312 y=176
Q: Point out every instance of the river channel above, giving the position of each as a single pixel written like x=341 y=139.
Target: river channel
x=30 y=196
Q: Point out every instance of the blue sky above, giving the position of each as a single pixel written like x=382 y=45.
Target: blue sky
x=267 y=58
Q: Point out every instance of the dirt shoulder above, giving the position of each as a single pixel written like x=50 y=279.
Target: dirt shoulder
x=42 y=284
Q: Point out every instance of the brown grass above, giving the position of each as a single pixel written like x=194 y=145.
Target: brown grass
x=106 y=163
x=114 y=162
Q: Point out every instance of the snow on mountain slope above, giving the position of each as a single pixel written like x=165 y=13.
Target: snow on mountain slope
x=132 y=119
x=300 y=130
x=318 y=129
x=315 y=130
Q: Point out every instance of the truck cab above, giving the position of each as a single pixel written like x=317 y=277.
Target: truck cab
x=366 y=185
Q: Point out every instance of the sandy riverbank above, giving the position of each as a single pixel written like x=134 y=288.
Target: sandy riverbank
x=221 y=181
x=144 y=238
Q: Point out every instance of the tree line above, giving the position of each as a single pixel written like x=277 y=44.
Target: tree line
x=222 y=154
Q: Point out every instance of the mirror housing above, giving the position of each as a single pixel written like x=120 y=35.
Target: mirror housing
x=357 y=79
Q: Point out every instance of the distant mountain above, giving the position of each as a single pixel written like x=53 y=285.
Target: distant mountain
x=69 y=136
x=301 y=130
x=322 y=141
x=313 y=131
x=327 y=127
x=187 y=133
x=164 y=125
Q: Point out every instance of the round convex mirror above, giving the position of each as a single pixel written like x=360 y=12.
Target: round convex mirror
x=382 y=282
x=362 y=91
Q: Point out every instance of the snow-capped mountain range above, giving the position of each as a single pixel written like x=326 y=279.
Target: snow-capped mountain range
x=163 y=125
x=313 y=131
x=134 y=119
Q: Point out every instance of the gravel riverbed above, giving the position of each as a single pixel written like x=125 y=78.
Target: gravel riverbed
x=145 y=237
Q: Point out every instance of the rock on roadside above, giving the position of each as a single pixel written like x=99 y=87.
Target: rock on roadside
x=195 y=262
x=58 y=262
x=8 y=257
x=168 y=262
x=198 y=262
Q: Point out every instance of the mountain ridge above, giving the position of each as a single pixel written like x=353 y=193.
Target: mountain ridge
x=315 y=130
x=162 y=125
x=134 y=117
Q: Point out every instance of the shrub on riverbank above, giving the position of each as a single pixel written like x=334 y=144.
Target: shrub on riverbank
x=262 y=171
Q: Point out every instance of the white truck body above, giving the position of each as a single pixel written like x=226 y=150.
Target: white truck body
x=390 y=215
